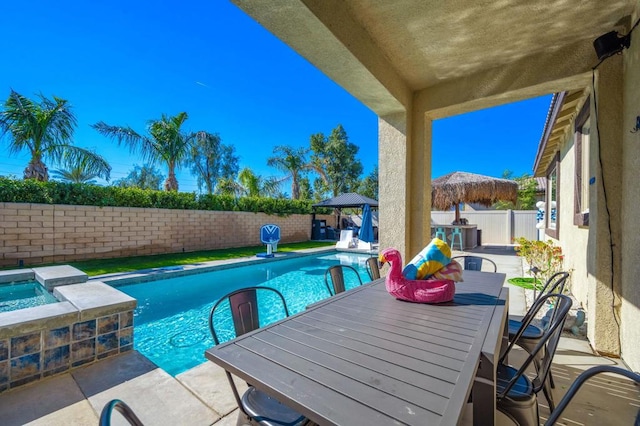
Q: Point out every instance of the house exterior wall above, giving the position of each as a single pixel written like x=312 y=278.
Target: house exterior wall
x=604 y=248
x=603 y=257
x=630 y=205
x=41 y=233
x=572 y=239
x=595 y=278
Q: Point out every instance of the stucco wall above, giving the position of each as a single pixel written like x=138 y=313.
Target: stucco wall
x=630 y=212
x=39 y=233
x=572 y=239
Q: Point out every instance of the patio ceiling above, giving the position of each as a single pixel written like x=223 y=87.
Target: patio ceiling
x=412 y=45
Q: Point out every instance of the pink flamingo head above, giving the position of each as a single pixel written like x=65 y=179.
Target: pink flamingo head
x=390 y=255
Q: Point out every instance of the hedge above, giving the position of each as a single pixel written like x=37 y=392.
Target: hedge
x=32 y=191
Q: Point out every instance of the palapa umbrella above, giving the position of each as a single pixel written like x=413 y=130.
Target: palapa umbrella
x=461 y=187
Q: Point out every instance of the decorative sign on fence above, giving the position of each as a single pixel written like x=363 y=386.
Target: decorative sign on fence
x=269 y=235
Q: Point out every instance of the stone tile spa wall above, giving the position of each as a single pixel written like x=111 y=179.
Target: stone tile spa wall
x=91 y=322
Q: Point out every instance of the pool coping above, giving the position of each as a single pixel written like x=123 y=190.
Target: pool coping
x=153 y=274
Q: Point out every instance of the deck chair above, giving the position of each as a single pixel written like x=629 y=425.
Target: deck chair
x=255 y=406
x=372 y=268
x=583 y=377
x=474 y=263
x=122 y=408
x=516 y=392
x=531 y=335
x=336 y=273
x=346 y=239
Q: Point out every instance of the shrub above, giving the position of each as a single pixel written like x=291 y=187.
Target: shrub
x=32 y=191
x=542 y=255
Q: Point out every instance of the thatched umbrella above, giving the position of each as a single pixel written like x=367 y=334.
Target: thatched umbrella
x=460 y=187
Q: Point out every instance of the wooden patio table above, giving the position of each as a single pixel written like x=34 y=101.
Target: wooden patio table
x=366 y=358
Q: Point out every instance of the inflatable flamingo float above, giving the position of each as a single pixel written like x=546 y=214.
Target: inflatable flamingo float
x=422 y=291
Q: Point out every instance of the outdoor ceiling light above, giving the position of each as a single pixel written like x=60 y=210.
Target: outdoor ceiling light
x=610 y=43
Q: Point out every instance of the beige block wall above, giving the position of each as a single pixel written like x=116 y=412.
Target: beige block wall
x=39 y=233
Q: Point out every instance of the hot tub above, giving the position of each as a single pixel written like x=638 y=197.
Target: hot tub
x=24 y=294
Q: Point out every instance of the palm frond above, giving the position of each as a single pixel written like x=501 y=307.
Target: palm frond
x=84 y=162
x=58 y=118
x=18 y=119
x=122 y=134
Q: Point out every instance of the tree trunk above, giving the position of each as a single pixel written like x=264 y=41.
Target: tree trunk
x=295 y=190
x=37 y=170
x=171 y=184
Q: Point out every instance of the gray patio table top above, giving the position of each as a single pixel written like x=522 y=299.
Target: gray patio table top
x=366 y=358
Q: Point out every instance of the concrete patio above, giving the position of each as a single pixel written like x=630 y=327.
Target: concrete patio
x=201 y=396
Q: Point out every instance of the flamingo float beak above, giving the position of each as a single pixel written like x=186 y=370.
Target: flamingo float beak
x=381 y=259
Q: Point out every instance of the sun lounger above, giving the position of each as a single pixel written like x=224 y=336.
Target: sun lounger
x=346 y=239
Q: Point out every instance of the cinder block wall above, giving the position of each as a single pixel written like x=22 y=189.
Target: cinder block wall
x=41 y=233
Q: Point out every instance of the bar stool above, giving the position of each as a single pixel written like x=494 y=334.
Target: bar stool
x=456 y=232
x=441 y=234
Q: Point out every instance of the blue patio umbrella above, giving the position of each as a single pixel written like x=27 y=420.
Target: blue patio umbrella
x=366 y=229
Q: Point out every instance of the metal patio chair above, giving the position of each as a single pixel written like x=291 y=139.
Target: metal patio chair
x=531 y=335
x=516 y=392
x=474 y=263
x=122 y=408
x=373 y=268
x=336 y=273
x=256 y=407
x=583 y=377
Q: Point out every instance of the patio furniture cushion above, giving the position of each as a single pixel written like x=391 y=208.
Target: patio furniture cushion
x=433 y=257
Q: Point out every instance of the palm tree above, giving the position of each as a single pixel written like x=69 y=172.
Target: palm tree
x=256 y=186
x=211 y=160
x=292 y=161
x=82 y=170
x=44 y=129
x=165 y=143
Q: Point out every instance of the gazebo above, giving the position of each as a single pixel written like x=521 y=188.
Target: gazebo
x=346 y=200
x=349 y=199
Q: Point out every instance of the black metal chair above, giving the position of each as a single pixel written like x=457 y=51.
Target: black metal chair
x=256 y=407
x=336 y=273
x=583 y=377
x=474 y=263
x=531 y=335
x=517 y=393
x=373 y=268
x=122 y=408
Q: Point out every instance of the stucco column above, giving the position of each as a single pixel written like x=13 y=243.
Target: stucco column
x=420 y=183
x=604 y=248
x=392 y=191
x=405 y=181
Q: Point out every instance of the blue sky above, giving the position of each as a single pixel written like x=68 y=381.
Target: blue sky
x=127 y=62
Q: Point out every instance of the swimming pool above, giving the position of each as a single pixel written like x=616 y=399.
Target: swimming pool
x=171 y=320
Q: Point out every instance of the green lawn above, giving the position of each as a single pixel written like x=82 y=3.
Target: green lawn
x=107 y=266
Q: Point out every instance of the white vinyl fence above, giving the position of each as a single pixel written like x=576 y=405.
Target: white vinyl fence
x=496 y=226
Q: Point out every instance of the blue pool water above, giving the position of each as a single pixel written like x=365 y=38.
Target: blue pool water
x=171 y=320
x=26 y=294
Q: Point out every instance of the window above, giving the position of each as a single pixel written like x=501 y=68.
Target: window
x=582 y=180
x=553 y=201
